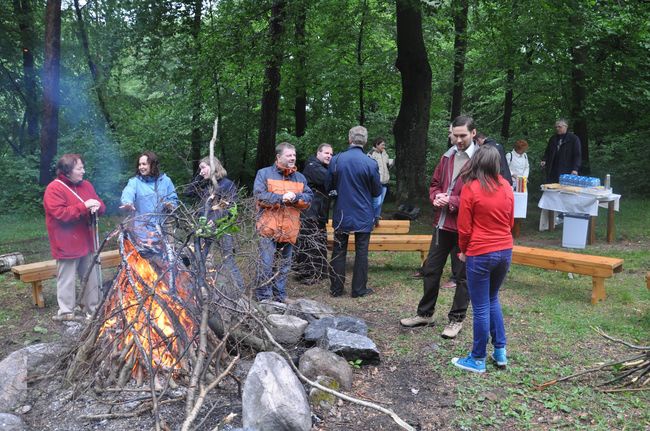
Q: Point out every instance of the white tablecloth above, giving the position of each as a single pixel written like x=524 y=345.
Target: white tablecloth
x=567 y=202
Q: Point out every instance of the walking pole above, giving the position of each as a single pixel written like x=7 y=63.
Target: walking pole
x=98 y=259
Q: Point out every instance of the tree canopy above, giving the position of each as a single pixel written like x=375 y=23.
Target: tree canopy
x=153 y=75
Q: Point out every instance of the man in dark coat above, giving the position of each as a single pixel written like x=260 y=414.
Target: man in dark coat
x=311 y=249
x=481 y=139
x=355 y=178
x=563 y=153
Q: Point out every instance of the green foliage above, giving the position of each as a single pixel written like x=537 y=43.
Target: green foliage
x=20 y=192
x=355 y=363
x=215 y=230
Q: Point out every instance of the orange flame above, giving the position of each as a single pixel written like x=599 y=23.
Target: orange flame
x=149 y=321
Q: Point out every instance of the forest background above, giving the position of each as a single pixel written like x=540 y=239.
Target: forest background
x=111 y=78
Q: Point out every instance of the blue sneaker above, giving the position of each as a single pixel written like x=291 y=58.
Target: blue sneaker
x=470 y=364
x=499 y=357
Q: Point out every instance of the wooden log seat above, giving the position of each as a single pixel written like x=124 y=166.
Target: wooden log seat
x=37 y=272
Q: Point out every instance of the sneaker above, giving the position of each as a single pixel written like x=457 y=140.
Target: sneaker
x=499 y=358
x=64 y=317
x=452 y=329
x=470 y=364
x=412 y=322
x=449 y=284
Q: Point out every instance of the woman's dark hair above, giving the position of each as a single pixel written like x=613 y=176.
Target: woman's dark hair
x=484 y=166
x=152 y=158
x=66 y=163
x=378 y=141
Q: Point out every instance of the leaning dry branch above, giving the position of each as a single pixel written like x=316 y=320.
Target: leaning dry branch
x=630 y=374
x=399 y=421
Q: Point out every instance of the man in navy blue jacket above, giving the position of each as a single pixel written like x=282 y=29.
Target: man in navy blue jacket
x=355 y=178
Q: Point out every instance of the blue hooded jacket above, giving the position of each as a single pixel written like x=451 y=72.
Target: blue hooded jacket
x=149 y=195
x=355 y=177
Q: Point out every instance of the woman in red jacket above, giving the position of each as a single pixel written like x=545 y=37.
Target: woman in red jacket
x=69 y=202
x=485 y=219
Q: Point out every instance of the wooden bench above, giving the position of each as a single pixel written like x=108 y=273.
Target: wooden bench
x=598 y=267
x=391 y=227
x=37 y=272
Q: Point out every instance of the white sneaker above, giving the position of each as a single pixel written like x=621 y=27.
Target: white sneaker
x=452 y=329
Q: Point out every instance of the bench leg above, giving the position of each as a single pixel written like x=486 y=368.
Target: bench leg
x=597 y=290
x=37 y=294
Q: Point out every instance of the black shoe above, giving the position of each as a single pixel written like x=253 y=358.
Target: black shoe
x=417 y=274
x=337 y=294
x=366 y=292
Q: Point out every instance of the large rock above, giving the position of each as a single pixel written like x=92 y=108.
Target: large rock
x=268 y=306
x=310 y=310
x=286 y=329
x=273 y=398
x=319 y=362
x=10 y=422
x=350 y=346
x=317 y=328
x=14 y=368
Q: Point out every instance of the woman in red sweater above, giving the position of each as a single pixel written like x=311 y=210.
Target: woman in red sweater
x=69 y=201
x=485 y=219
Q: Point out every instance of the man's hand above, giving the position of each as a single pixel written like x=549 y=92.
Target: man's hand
x=168 y=207
x=127 y=207
x=288 y=197
x=542 y=163
x=441 y=200
x=574 y=172
x=462 y=257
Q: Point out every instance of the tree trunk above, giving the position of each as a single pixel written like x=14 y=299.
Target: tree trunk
x=459 y=9
x=97 y=79
x=271 y=91
x=412 y=123
x=300 y=103
x=51 y=65
x=197 y=105
x=578 y=101
x=507 y=106
x=22 y=9
x=362 y=109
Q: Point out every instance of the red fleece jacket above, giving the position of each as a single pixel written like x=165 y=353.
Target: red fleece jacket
x=485 y=219
x=68 y=220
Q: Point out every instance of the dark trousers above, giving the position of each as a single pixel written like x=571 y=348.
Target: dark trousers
x=339 y=253
x=432 y=269
x=310 y=254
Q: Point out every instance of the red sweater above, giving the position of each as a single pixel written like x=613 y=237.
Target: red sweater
x=485 y=219
x=68 y=220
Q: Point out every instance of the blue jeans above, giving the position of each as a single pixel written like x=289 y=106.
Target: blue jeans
x=379 y=201
x=271 y=285
x=485 y=275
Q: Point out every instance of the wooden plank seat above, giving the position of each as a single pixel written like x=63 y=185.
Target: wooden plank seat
x=384 y=227
x=37 y=272
x=598 y=267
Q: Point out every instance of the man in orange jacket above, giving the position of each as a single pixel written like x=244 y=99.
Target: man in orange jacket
x=281 y=193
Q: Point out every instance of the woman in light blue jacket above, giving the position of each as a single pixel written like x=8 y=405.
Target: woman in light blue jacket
x=152 y=196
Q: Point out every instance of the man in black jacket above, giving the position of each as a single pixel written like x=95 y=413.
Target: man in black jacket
x=563 y=153
x=481 y=139
x=310 y=261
